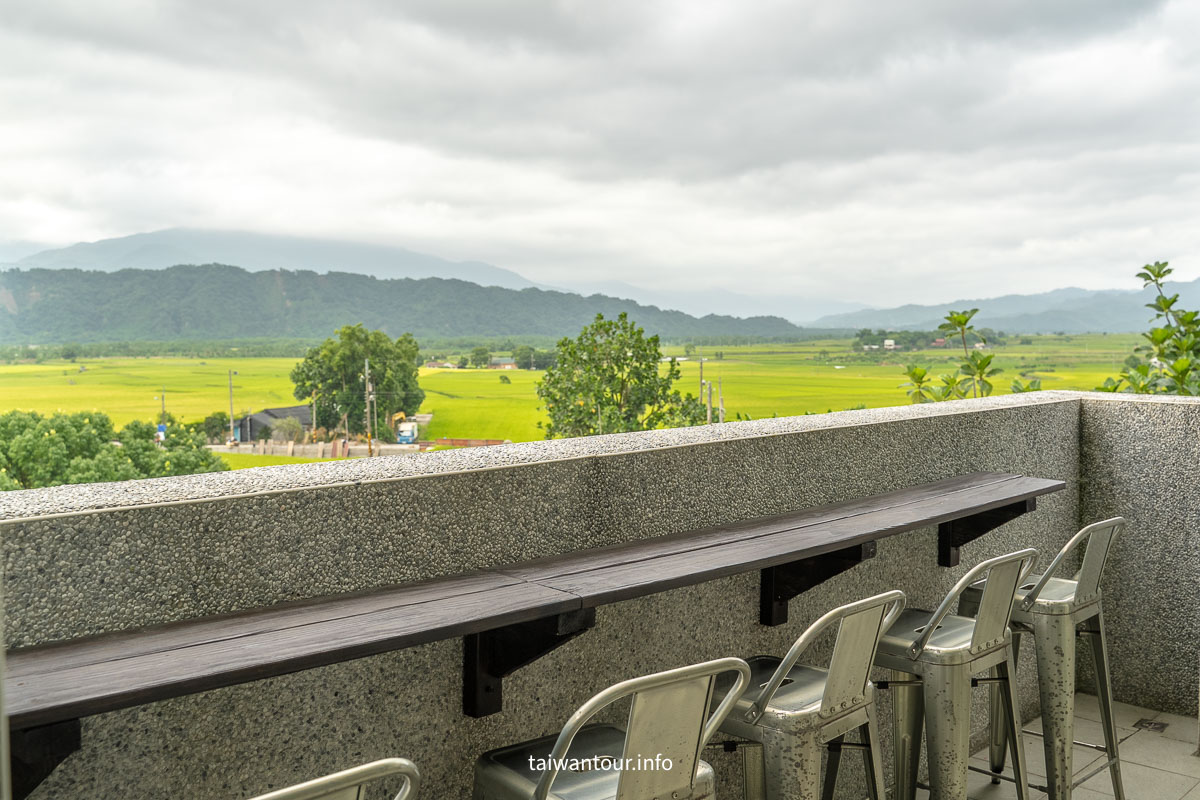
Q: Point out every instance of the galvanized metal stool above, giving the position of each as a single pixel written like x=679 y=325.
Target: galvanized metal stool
x=936 y=658
x=656 y=756
x=795 y=712
x=1056 y=610
x=348 y=785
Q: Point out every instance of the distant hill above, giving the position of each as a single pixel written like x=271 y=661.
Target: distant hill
x=215 y=301
x=1068 y=310
x=257 y=251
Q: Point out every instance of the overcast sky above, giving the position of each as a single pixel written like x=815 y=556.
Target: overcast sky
x=886 y=152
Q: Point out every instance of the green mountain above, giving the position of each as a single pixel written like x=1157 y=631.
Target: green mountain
x=216 y=301
x=165 y=248
x=1067 y=310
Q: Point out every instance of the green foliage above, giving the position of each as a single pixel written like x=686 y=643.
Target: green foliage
x=334 y=373
x=977 y=370
x=504 y=378
x=1169 y=360
x=216 y=426
x=287 y=429
x=1034 y=385
x=480 y=357
x=918 y=389
x=38 y=451
x=608 y=380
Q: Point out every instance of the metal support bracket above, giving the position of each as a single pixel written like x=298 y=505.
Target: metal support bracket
x=35 y=752
x=957 y=532
x=490 y=656
x=780 y=584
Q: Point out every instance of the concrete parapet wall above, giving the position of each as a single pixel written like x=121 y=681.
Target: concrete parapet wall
x=88 y=559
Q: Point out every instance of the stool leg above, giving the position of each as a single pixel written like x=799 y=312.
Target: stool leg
x=1054 y=642
x=1096 y=637
x=1012 y=720
x=907 y=717
x=832 y=763
x=753 y=787
x=792 y=765
x=874 y=757
x=947 y=730
x=998 y=747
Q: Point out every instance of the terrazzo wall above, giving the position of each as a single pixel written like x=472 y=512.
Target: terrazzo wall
x=83 y=560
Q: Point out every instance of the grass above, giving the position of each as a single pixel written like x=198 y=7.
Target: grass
x=757 y=381
x=246 y=460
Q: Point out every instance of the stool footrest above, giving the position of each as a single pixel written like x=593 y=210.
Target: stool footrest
x=1098 y=747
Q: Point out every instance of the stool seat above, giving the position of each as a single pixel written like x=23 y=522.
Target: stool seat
x=950 y=643
x=1058 y=597
x=795 y=706
x=509 y=774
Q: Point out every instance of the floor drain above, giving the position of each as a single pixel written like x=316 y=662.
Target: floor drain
x=1150 y=725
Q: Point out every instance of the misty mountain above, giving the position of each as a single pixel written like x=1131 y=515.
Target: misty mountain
x=257 y=251
x=697 y=302
x=1069 y=310
x=215 y=301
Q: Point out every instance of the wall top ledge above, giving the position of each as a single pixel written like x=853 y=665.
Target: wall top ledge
x=30 y=504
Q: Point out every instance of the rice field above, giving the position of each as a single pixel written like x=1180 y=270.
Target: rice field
x=756 y=381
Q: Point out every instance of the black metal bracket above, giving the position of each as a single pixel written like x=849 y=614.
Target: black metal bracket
x=957 y=532
x=490 y=656
x=35 y=752
x=780 y=584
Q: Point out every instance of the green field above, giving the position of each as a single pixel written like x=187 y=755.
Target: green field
x=245 y=460
x=757 y=380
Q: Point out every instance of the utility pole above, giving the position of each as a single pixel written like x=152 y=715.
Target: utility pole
x=720 y=401
x=710 y=402
x=232 y=372
x=164 y=406
x=367 y=409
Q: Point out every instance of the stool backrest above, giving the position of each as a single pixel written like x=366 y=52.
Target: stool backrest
x=348 y=784
x=860 y=624
x=1099 y=537
x=1003 y=575
x=667 y=720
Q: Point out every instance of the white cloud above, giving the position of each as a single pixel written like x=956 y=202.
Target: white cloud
x=883 y=152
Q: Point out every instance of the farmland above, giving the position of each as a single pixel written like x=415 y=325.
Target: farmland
x=757 y=381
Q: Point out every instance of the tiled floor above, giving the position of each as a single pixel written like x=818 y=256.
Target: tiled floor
x=1155 y=766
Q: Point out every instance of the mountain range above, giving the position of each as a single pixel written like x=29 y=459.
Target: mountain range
x=1070 y=310
x=216 y=301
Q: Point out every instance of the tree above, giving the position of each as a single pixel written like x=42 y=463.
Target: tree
x=480 y=356
x=689 y=349
x=504 y=378
x=918 y=389
x=333 y=372
x=287 y=429
x=609 y=380
x=523 y=356
x=216 y=426
x=1169 y=361
x=958 y=323
x=37 y=451
x=463 y=362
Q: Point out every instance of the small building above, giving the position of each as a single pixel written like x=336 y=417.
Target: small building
x=440 y=365
x=247 y=428
x=870 y=347
x=500 y=362
x=981 y=345
x=939 y=342
x=890 y=344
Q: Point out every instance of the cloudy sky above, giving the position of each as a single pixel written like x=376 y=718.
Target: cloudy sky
x=889 y=152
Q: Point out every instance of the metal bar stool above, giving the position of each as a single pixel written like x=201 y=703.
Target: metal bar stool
x=795 y=712
x=936 y=658
x=656 y=756
x=348 y=785
x=1056 y=610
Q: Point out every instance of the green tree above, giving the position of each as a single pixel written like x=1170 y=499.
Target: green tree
x=37 y=451
x=918 y=387
x=480 y=356
x=333 y=372
x=609 y=380
x=287 y=429
x=216 y=426
x=1169 y=360
x=523 y=356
